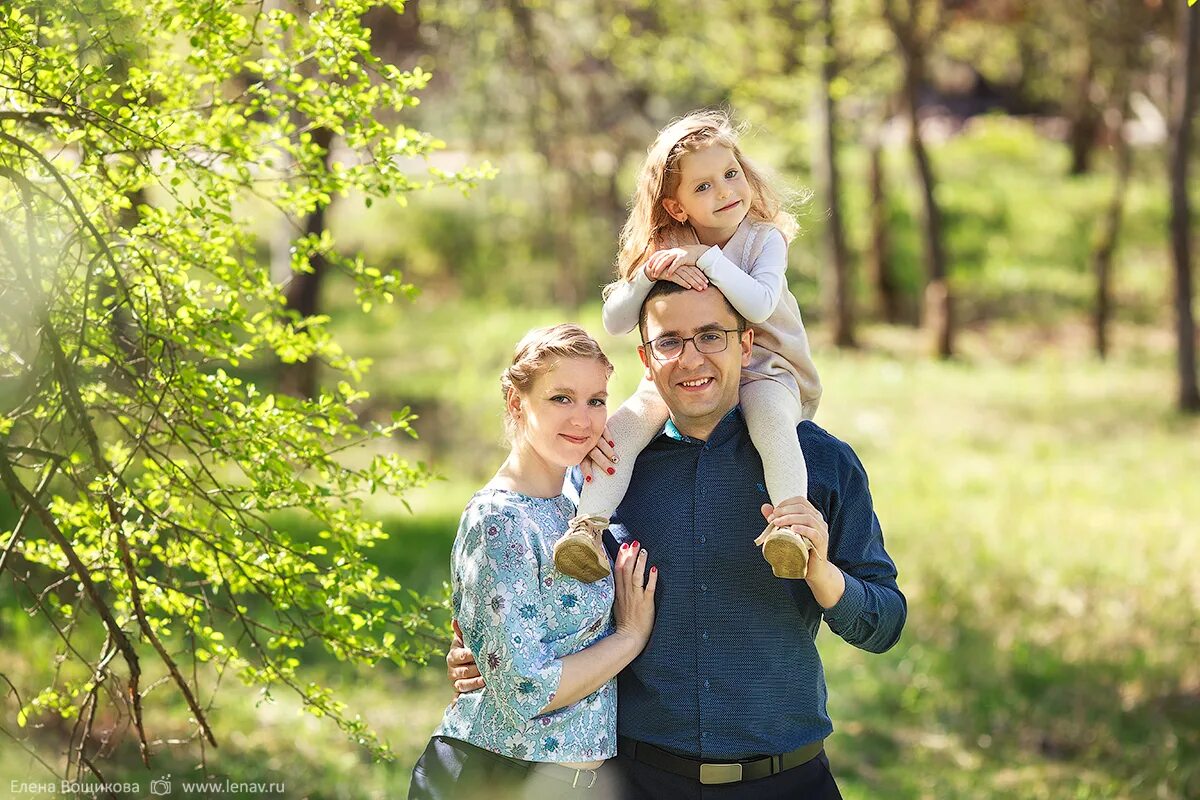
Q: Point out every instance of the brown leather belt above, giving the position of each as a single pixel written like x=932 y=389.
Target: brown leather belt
x=709 y=772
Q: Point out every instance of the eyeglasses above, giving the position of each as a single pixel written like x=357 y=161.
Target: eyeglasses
x=669 y=348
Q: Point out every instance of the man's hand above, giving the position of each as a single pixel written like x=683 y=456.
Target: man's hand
x=461 y=668
x=824 y=579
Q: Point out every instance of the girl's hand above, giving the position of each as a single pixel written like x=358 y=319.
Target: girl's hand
x=661 y=260
x=689 y=277
x=603 y=457
x=678 y=266
x=633 y=608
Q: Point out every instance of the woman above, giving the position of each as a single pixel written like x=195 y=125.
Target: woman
x=548 y=646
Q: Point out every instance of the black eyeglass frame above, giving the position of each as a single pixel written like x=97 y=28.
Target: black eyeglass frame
x=683 y=341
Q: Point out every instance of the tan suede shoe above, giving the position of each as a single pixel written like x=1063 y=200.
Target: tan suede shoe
x=579 y=554
x=786 y=551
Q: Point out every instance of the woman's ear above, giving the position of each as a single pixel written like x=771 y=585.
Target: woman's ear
x=673 y=208
x=514 y=404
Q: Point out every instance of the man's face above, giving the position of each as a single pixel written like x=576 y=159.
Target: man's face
x=698 y=388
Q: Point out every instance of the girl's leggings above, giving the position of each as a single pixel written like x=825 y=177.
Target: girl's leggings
x=772 y=413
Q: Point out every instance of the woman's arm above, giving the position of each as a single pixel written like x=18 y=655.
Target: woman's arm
x=506 y=635
x=589 y=669
x=756 y=292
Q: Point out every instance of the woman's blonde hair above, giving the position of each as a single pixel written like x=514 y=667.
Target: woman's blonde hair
x=650 y=226
x=537 y=352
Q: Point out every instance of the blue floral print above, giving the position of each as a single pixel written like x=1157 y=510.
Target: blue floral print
x=520 y=615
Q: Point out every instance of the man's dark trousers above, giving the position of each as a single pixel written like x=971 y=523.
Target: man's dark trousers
x=635 y=780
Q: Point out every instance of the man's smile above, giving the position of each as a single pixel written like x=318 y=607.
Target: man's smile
x=696 y=383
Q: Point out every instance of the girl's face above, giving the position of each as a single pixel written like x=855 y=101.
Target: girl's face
x=562 y=416
x=713 y=194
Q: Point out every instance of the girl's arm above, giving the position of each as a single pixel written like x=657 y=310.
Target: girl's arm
x=756 y=291
x=624 y=303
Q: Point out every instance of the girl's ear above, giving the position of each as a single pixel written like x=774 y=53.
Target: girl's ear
x=673 y=208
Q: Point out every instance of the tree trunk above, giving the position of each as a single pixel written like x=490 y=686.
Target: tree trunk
x=938 y=306
x=1110 y=229
x=1181 y=127
x=304 y=291
x=879 y=258
x=1084 y=121
x=839 y=293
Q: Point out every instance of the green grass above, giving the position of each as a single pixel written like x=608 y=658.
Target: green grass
x=1037 y=503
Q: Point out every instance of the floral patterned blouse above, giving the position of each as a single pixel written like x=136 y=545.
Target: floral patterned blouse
x=520 y=615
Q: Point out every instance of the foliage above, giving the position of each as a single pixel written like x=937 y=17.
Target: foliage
x=1037 y=504
x=138 y=142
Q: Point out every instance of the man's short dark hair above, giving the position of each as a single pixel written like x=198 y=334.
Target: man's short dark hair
x=664 y=288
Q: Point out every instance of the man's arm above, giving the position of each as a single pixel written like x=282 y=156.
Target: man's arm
x=849 y=572
x=871 y=611
x=461 y=669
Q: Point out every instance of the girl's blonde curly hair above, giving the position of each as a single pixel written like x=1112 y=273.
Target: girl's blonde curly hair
x=650 y=227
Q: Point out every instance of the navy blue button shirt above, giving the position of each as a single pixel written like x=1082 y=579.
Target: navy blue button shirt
x=731 y=669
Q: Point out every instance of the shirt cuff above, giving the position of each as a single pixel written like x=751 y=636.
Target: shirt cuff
x=710 y=257
x=848 y=609
x=534 y=692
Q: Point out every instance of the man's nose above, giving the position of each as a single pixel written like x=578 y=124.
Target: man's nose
x=695 y=356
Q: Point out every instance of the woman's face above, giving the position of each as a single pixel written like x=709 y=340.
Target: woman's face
x=564 y=412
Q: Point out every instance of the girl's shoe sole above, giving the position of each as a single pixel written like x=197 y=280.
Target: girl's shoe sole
x=577 y=558
x=787 y=555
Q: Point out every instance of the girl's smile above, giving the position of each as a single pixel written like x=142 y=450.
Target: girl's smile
x=713 y=194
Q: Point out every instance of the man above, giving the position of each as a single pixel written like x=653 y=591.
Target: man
x=728 y=698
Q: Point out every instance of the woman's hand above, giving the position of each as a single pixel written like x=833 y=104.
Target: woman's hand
x=633 y=609
x=603 y=457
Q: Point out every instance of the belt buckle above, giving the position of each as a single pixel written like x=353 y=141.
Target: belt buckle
x=575 y=781
x=720 y=773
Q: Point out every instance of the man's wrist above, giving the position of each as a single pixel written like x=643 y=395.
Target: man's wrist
x=826 y=581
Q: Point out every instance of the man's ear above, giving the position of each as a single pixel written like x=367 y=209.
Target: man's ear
x=746 y=340
x=645 y=357
x=673 y=208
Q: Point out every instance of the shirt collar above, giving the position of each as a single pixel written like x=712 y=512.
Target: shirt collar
x=719 y=434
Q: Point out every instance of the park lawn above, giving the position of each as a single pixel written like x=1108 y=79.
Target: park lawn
x=1036 y=501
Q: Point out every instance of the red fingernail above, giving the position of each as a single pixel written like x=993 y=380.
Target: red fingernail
x=611 y=470
x=611 y=443
x=588 y=479
x=635 y=543
x=654 y=569
x=625 y=545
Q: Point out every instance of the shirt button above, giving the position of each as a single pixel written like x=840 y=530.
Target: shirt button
x=706 y=684
x=704 y=636
x=704 y=587
x=701 y=540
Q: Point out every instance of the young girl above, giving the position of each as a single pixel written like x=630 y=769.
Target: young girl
x=548 y=648
x=703 y=213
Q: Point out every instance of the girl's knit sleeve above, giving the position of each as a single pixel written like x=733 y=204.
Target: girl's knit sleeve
x=496 y=563
x=755 y=291
x=623 y=305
